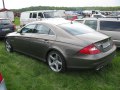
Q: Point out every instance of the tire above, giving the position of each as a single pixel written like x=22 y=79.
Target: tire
x=8 y=46
x=56 y=61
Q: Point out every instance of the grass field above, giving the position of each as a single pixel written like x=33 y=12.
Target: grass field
x=24 y=73
x=17 y=21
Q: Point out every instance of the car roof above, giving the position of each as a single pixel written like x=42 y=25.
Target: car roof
x=103 y=19
x=54 y=21
x=40 y=11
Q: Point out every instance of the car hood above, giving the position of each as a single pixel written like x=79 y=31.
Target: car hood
x=90 y=38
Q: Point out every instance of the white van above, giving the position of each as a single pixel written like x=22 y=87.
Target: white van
x=30 y=16
x=7 y=15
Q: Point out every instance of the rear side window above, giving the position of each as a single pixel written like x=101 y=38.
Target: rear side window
x=41 y=29
x=76 y=28
x=91 y=23
x=109 y=26
x=5 y=21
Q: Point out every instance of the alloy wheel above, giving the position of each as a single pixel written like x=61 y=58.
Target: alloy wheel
x=8 y=46
x=55 y=62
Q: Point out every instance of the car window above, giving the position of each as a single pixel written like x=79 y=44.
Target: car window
x=76 y=28
x=48 y=14
x=91 y=23
x=5 y=21
x=42 y=29
x=28 y=28
x=30 y=16
x=109 y=26
x=34 y=15
x=40 y=15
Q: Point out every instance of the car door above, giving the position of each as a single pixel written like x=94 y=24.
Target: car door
x=42 y=40
x=21 y=41
x=112 y=29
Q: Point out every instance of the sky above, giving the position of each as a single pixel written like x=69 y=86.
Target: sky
x=17 y=4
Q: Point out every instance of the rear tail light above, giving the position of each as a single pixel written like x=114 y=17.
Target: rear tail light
x=91 y=49
x=1 y=78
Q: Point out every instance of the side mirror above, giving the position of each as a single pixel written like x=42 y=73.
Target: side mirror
x=19 y=31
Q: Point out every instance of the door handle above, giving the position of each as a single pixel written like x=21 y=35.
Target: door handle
x=46 y=41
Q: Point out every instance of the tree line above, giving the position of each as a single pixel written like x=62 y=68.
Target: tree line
x=33 y=8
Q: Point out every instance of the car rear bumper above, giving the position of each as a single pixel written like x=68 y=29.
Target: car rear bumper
x=2 y=86
x=91 y=61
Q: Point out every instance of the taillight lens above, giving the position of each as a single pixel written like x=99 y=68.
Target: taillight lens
x=1 y=78
x=91 y=49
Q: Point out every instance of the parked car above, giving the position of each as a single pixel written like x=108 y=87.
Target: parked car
x=98 y=16
x=4 y=13
x=30 y=16
x=71 y=17
x=2 y=83
x=63 y=44
x=79 y=20
x=6 y=26
x=110 y=27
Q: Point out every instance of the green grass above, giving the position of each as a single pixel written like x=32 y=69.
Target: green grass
x=24 y=73
x=17 y=21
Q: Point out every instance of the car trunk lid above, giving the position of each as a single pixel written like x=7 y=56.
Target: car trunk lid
x=102 y=42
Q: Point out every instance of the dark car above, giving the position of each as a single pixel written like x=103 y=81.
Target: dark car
x=108 y=26
x=6 y=26
x=63 y=44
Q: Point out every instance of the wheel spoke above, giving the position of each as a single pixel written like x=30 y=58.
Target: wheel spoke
x=51 y=64
x=51 y=57
x=56 y=57
x=60 y=63
x=57 y=67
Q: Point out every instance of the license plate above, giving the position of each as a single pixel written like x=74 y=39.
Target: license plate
x=7 y=29
x=106 y=44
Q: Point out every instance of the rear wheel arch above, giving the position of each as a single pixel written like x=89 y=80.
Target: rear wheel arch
x=54 y=49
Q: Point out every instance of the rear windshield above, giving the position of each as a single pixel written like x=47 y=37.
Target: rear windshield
x=110 y=26
x=5 y=21
x=76 y=28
